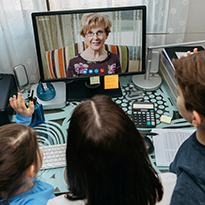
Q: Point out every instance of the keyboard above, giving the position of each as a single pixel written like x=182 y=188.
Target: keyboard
x=54 y=156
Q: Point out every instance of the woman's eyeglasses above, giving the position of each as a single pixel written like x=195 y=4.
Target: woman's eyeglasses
x=98 y=33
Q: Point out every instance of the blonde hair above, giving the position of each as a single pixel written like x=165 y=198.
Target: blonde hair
x=92 y=19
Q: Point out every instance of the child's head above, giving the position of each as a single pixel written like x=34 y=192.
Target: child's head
x=18 y=151
x=107 y=162
x=190 y=76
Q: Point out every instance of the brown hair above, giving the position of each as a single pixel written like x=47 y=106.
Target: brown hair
x=92 y=19
x=107 y=162
x=18 y=150
x=190 y=76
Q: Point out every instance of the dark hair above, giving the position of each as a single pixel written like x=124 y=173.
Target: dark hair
x=18 y=150
x=190 y=76
x=107 y=162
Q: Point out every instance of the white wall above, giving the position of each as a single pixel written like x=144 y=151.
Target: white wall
x=195 y=28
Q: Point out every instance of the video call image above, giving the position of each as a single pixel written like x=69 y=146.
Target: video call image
x=60 y=37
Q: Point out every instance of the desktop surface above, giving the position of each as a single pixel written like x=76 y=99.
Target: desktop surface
x=54 y=130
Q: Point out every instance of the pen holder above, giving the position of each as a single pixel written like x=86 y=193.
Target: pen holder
x=38 y=115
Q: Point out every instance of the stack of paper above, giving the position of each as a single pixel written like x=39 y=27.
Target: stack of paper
x=167 y=143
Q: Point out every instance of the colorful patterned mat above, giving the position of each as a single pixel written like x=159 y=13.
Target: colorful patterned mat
x=54 y=130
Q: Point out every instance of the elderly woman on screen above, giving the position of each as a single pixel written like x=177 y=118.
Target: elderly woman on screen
x=95 y=60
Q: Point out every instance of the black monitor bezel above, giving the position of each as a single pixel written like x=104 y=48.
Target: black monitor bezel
x=107 y=9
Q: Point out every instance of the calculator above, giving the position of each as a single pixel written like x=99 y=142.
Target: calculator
x=143 y=114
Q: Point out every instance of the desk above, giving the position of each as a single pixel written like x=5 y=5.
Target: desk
x=54 y=130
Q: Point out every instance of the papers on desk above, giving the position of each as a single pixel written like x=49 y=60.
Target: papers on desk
x=167 y=143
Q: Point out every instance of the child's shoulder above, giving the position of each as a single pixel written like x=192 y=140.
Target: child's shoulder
x=39 y=194
x=189 y=141
x=43 y=191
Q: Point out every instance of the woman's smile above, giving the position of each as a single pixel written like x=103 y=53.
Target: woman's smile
x=96 y=43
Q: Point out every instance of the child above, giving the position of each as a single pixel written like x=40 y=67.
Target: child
x=107 y=161
x=20 y=161
x=189 y=163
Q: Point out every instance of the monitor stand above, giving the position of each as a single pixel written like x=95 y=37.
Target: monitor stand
x=151 y=84
x=78 y=90
x=58 y=101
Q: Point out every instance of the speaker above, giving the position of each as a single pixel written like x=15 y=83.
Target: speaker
x=8 y=88
x=21 y=76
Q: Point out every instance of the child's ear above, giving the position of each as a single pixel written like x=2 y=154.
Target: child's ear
x=197 y=118
x=31 y=171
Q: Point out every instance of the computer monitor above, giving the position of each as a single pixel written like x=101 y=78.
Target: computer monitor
x=58 y=40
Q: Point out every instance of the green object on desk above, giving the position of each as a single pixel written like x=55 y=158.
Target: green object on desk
x=29 y=103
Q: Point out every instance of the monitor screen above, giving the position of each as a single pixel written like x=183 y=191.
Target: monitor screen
x=74 y=45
